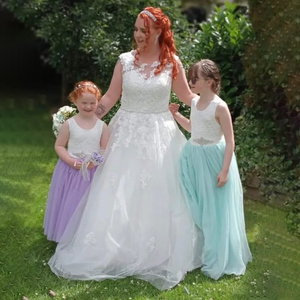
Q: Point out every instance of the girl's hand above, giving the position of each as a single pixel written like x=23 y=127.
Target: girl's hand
x=222 y=178
x=76 y=164
x=91 y=166
x=174 y=107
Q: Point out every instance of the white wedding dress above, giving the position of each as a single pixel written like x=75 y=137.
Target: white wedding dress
x=133 y=221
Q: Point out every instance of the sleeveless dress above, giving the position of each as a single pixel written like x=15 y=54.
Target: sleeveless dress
x=67 y=185
x=217 y=211
x=134 y=221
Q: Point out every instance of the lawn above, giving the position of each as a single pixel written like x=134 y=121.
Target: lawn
x=27 y=160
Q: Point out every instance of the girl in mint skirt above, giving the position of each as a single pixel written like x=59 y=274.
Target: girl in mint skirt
x=210 y=176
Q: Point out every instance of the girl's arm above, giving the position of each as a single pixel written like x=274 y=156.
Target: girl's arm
x=104 y=137
x=60 y=147
x=113 y=93
x=224 y=118
x=181 y=88
x=183 y=121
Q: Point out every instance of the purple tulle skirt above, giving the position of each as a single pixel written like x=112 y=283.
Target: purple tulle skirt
x=67 y=189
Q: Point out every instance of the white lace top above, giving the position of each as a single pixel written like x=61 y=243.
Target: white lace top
x=204 y=127
x=142 y=90
x=84 y=140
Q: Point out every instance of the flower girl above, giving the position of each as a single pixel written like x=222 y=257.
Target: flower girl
x=210 y=176
x=78 y=145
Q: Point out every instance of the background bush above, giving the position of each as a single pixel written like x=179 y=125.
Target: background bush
x=223 y=39
x=272 y=107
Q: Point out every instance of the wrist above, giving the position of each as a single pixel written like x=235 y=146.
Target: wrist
x=225 y=170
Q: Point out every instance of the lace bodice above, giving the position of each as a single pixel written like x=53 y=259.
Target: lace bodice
x=84 y=140
x=142 y=90
x=205 y=129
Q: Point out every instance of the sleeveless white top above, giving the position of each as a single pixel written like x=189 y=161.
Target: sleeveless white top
x=205 y=130
x=84 y=141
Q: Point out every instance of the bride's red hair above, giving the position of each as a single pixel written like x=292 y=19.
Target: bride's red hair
x=166 y=39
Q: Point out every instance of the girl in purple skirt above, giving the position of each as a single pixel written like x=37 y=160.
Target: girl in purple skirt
x=78 y=144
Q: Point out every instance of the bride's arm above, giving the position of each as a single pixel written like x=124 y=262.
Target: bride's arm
x=113 y=93
x=181 y=88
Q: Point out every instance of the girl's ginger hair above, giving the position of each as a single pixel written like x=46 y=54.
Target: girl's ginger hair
x=85 y=86
x=208 y=70
x=166 y=39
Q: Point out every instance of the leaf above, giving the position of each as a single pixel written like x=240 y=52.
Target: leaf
x=232 y=90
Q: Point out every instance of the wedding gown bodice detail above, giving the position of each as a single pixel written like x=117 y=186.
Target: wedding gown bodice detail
x=84 y=139
x=142 y=90
x=144 y=117
x=205 y=128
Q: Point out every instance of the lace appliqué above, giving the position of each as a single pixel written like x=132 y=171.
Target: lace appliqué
x=90 y=239
x=202 y=141
x=151 y=244
x=205 y=129
x=142 y=90
x=148 y=134
x=144 y=178
x=84 y=141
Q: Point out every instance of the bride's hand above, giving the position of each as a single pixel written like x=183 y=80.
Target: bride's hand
x=174 y=107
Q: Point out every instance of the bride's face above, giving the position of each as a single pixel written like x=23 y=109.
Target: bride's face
x=143 y=36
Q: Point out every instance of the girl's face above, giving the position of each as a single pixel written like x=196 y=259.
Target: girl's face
x=86 y=104
x=141 y=33
x=200 y=84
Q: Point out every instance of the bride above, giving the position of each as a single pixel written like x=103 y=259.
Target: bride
x=133 y=221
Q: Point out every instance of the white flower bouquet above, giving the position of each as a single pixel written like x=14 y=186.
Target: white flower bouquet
x=63 y=114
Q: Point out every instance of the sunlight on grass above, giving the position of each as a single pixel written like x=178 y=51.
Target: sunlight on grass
x=28 y=158
x=253 y=233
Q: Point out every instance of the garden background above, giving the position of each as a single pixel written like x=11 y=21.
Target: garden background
x=46 y=46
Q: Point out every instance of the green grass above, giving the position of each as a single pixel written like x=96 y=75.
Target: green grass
x=27 y=160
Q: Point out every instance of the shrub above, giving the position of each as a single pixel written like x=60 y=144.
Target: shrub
x=223 y=39
x=272 y=71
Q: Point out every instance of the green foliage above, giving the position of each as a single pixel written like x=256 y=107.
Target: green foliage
x=257 y=154
x=223 y=39
x=272 y=71
x=85 y=37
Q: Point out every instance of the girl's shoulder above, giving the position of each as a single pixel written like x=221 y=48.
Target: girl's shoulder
x=100 y=122
x=195 y=100
x=221 y=106
x=219 y=102
x=70 y=122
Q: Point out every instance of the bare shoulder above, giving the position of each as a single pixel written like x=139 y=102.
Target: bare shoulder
x=65 y=125
x=104 y=125
x=222 y=110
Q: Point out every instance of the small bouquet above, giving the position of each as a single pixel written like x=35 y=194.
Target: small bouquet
x=95 y=158
x=63 y=114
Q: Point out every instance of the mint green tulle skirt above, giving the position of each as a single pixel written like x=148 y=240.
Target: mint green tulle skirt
x=217 y=211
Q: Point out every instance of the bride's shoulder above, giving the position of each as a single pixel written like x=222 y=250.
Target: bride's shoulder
x=177 y=60
x=127 y=57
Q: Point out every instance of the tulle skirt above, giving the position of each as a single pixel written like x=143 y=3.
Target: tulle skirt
x=66 y=190
x=133 y=220
x=217 y=211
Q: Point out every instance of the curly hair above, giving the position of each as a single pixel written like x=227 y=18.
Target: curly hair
x=166 y=39
x=85 y=86
x=208 y=70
